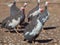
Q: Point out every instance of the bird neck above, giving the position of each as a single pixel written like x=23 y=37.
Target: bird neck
x=45 y=7
x=23 y=11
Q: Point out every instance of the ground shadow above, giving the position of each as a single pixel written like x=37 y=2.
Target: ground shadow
x=44 y=41
x=51 y=27
x=20 y=31
x=40 y=41
x=24 y=24
x=13 y=31
x=0 y=22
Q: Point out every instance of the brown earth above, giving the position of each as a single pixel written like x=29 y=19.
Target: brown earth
x=46 y=37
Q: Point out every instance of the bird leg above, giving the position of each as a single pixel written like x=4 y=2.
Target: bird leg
x=16 y=30
x=18 y=27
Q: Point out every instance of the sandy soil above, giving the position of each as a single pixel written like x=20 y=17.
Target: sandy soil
x=46 y=37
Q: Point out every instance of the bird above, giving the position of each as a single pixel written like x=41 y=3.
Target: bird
x=22 y=9
x=15 y=10
x=11 y=22
x=33 y=29
x=45 y=14
x=35 y=11
x=35 y=26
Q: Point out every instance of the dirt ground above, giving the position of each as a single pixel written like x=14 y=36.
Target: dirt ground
x=46 y=37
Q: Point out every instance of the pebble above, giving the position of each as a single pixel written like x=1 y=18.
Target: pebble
x=36 y=43
x=55 y=44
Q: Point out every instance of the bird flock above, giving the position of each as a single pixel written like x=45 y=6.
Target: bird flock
x=36 y=18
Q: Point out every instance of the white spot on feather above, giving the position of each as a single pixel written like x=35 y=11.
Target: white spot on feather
x=36 y=29
x=26 y=33
x=14 y=22
x=9 y=5
x=38 y=1
x=36 y=12
x=45 y=19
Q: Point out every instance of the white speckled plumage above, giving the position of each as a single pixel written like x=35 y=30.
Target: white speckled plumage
x=37 y=28
x=33 y=30
x=14 y=22
x=35 y=11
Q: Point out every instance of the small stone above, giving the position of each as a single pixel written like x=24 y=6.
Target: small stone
x=55 y=44
x=18 y=43
x=5 y=41
x=36 y=43
x=10 y=43
x=5 y=44
x=23 y=42
x=55 y=40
